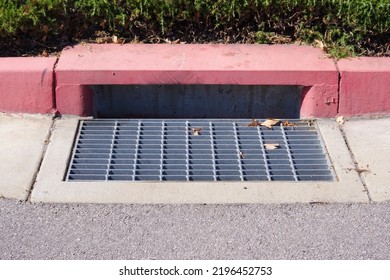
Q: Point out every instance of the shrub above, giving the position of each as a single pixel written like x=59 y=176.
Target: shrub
x=344 y=27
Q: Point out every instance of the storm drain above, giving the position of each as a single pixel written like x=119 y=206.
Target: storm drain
x=195 y=150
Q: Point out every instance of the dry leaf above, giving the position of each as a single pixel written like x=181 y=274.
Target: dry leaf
x=242 y=156
x=45 y=53
x=101 y=40
x=26 y=10
x=269 y=123
x=287 y=123
x=45 y=29
x=271 y=146
x=340 y=120
x=196 y=130
x=254 y=123
x=362 y=170
x=321 y=45
x=116 y=40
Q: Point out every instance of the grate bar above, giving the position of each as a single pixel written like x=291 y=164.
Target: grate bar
x=187 y=153
x=160 y=150
x=111 y=151
x=137 y=143
x=212 y=150
x=239 y=152
x=264 y=154
x=289 y=152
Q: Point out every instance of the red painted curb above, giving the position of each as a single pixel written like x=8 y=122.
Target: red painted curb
x=93 y=64
x=26 y=84
x=364 y=86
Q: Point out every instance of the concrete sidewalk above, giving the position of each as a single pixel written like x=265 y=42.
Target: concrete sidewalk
x=30 y=152
x=22 y=142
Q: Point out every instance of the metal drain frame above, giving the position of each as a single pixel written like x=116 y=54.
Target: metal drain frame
x=239 y=171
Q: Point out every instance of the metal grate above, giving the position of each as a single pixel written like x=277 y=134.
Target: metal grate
x=163 y=150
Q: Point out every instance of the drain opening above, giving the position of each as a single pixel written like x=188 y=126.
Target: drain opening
x=197 y=150
x=196 y=101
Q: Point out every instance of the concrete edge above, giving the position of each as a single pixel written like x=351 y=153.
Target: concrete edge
x=50 y=186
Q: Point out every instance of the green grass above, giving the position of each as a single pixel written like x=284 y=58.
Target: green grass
x=346 y=27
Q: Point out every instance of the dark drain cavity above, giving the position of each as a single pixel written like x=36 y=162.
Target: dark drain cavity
x=196 y=101
x=196 y=150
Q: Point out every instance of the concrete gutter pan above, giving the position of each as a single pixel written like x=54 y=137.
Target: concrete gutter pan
x=51 y=187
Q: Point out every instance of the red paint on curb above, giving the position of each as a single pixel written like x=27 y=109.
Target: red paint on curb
x=319 y=101
x=199 y=64
x=26 y=84
x=78 y=99
x=364 y=86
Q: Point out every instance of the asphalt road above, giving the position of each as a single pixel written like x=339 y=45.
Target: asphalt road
x=296 y=231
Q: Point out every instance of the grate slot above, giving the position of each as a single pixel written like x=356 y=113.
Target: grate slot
x=238 y=150
x=223 y=150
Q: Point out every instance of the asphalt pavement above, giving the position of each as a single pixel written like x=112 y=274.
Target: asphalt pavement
x=121 y=231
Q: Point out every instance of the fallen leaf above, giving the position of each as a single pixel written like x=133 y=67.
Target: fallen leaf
x=101 y=40
x=116 y=40
x=242 y=156
x=269 y=123
x=321 y=45
x=360 y=170
x=340 y=120
x=271 y=146
x=196 y=130
x=45 y=29
x=287 y=123
x=45 y=53
x=254 y=123
x=26 y=10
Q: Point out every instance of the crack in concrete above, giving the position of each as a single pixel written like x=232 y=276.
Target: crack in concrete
x=339 y=77
x=356 y=164
x=54 y=85
x=46 y=144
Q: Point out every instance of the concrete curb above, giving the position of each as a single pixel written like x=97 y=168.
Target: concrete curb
x=137 y=64
x=350 y=87
x=364 y=86
x=26 y=84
